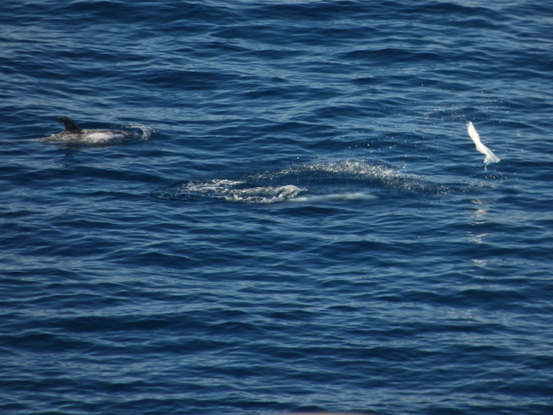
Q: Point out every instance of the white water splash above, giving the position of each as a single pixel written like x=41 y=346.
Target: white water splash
x=473 y=134
x=145 y=131
x=313 y=183
x=240 y=191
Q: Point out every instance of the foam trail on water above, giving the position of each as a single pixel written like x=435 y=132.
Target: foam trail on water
x=490 y=156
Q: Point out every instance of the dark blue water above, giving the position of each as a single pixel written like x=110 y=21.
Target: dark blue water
x=304 y=224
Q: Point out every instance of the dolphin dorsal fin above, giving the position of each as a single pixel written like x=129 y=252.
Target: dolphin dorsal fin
x=69 y=125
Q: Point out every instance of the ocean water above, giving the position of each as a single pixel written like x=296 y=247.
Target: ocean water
x=304 y=223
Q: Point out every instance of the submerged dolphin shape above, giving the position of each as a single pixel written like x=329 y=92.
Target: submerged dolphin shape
x=74 y=134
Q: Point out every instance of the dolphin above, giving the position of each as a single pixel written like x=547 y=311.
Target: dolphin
x=74 y=134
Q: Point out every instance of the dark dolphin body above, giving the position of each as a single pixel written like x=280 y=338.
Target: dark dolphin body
x=74 y=134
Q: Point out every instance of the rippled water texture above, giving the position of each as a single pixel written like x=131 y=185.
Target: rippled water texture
x=301 y=221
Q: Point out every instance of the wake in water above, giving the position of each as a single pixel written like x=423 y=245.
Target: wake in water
x=237 y=191
x=310 y=183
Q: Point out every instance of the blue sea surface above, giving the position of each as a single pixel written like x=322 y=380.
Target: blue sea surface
x=304 y=223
